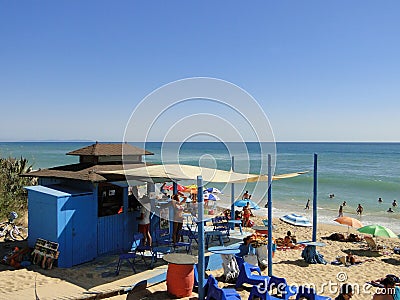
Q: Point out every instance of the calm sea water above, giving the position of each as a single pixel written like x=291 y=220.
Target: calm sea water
x=354 y=172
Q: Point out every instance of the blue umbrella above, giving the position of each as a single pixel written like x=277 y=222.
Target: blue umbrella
x=213 y=190
x=243 y=203
x=208 y=196
x=296 y=220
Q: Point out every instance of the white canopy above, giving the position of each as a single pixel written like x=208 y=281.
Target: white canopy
x=161 y=173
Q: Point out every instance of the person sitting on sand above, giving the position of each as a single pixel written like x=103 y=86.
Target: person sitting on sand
x=390 y=210
x=288 y=241
x=346 y=292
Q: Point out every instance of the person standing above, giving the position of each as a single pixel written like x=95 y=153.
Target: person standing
x=246 y=196
x=144 y=224
x=178 y=217
x=307 y=204
x=246 y=214
x=359 y=209
x=340 y=211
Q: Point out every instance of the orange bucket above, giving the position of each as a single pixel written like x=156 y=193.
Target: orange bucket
x=180 y=280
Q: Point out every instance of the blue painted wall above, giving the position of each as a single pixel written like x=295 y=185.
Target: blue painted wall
x=67 y=212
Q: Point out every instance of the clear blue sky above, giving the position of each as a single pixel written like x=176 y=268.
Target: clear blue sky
x=321 y=70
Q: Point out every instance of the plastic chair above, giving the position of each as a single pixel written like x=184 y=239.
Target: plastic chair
x=246 y=275
x=221 y=224
x=309 y=294
x=187 y=245
x=283 y=290
x=217 y=293
x=131 y=256
x=261 y=292
x=162 y=237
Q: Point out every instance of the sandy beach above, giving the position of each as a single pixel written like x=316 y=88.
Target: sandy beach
x=81 y=281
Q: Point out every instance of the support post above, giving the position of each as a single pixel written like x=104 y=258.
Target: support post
x=269 y=216
x=233 y=195
x=200 y=226
x=315 y=190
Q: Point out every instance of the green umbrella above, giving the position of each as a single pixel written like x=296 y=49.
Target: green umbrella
x=377 y=230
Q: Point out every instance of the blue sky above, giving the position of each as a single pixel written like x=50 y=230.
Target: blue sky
x=321 y=70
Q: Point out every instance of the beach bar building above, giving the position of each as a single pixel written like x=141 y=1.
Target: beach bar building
x=87 y=212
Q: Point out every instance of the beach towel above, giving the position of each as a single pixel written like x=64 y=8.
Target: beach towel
x=311 y=255
x=230 y=266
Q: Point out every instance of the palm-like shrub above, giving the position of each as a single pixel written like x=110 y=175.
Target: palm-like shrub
x=12 y=194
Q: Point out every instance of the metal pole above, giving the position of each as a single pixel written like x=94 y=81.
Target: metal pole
x=174 y=187
x=200 y=228
x=269 y=216
x=315 y=216
x=233 y=195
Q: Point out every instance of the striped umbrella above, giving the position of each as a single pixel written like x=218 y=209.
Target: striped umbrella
x=296 y=220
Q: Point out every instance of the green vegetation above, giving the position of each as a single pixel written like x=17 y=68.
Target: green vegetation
x=13 y=197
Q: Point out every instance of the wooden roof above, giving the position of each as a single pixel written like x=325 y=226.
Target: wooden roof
x=83 y=171
x=99 y=149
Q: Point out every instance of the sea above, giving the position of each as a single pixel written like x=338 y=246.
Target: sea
x=358 y=173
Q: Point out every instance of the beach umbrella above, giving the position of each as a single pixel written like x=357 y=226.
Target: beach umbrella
x=243 y=203
x=377 y=230
x=213 y=190
x=191 y=186
x=180 y=188
x=349 y=222
x=208 y=196
x=296 y=220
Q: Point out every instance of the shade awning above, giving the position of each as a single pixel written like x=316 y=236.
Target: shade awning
x=186 y=172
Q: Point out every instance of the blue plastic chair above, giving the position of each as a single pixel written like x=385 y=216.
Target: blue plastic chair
x=131 y=256
x=246 y=275
x=217 y=293
x=162 y=237
x=187 y=245
x=309 y=294
x=283 y=290
x=260 y=291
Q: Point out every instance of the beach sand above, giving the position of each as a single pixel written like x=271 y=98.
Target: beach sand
x=78 y=281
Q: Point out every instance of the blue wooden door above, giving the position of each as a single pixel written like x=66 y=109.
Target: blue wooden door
x=84 y=242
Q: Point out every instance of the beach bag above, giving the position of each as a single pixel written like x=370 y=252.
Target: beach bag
x=251 y=259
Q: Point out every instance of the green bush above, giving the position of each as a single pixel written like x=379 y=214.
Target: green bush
x=13 y=197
